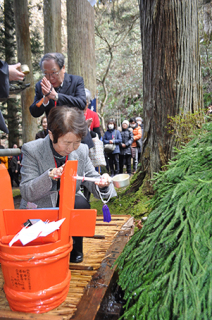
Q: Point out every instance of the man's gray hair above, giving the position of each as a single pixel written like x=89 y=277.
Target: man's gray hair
x=58 y=57
x=88 y=95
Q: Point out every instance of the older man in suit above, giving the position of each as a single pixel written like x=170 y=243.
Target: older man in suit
x=57 y=88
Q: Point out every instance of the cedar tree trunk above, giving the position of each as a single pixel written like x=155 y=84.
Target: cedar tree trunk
x=29 y=124
x=52 y=25
x=81 y=42
x=171 y=73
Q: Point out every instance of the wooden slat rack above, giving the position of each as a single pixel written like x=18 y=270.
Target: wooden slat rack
x=89 y=279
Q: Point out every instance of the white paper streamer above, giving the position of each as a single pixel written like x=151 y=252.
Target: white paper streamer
x=39 y=229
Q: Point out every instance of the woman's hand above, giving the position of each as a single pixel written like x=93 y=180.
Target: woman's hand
x=56 y=173
x=105 y=180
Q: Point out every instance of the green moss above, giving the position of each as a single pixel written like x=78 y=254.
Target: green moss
x=132 y=204
x=16 y=192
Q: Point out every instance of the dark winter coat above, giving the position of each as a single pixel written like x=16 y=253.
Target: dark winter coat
x=127 y=139
x=110 y=135
x=4 y=91
x=13 y=164
x=41 y=134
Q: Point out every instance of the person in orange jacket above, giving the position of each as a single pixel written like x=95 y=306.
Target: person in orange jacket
x=4 y=160
x=137 y=134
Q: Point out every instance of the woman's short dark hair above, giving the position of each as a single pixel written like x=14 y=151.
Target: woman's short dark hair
x=58 y=57
x=64 y=119
x=113 y=122
x=132 y=120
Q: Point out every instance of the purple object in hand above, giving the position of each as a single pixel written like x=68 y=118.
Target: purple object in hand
x=106 y=213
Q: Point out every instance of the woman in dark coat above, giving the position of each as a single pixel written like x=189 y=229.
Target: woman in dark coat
x=43 y=133
x=125 y=147
x=113 y=136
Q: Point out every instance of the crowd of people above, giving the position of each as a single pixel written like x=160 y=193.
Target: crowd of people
x=128 y=145
x=57 y=88
x=68 y=126
x=127 y=140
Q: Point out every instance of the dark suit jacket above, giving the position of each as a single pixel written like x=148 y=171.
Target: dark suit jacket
x=4 y=79
x=4 y=90
x=71 y=93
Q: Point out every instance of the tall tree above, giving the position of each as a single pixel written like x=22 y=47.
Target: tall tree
x=171 y=73
x=81 y=45
x=52 y=25
x=206 y=50
x=29 y=124
x=9 y=49
x=36 y=34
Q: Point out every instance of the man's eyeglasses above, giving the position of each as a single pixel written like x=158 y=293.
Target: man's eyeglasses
x=53 y=74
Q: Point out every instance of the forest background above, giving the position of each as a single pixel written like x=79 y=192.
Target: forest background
x=117 y=51
x=117 y=67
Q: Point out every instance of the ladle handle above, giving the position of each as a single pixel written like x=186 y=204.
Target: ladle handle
x=90 y=179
